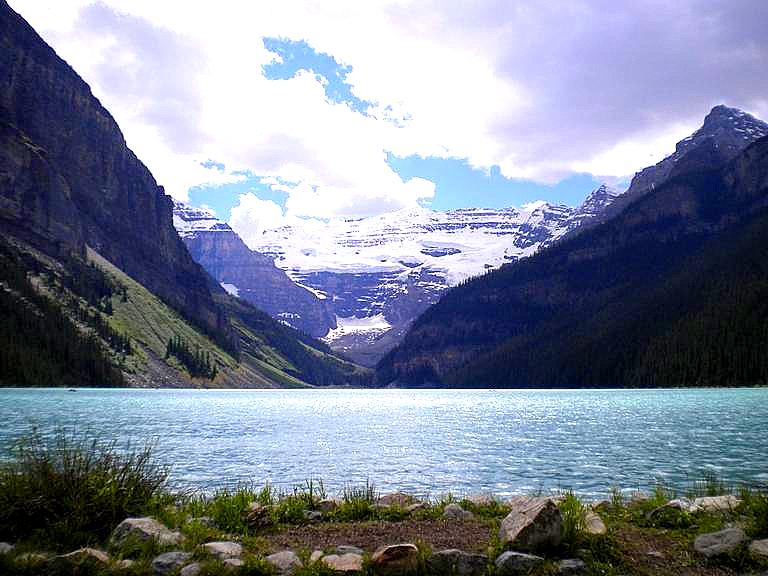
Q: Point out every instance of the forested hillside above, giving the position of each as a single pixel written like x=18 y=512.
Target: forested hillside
x=671 y=292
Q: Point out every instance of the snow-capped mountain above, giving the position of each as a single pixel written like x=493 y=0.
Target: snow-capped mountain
x=248 y=274
x=381 y=272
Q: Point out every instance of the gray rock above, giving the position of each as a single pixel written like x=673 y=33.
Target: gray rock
x=313 y=516
x=415 y=507
x=593 y=524
x=512 y=563
x=399 y=499
x=82 y=558
x=458 y=562
x=32 y=558
x=169 y=562
x=191 y=569
x=395 y=560
x=285 y=562
x=349 y=563
x=142 y=530
x=759 y=548
x=6 y=548
x=455 y=512
x=532 y=523
x=124 y=564
x=571 y=567
x=315 y=556
x=234 y=563
x=482 y=499
x=258 y=516
x=347 y=549
x=327 y=505
x=724 y=503
x=223 y=550
x=722 y=542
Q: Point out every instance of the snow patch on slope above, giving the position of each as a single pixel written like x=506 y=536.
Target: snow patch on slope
x=370 y=325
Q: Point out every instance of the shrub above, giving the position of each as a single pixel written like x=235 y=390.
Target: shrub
x=70 y=491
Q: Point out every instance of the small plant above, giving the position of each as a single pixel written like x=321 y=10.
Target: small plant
x=358 y=503
x=72 y=491
x=574 y=515
x=709 y=485
x=228 y=508
x=755 y=506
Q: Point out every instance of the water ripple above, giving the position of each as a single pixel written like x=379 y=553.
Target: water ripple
x=425 y=441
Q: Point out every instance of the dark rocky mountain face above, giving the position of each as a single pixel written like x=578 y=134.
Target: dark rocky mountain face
x=67 y=179
x=724 y=134
x=248 y=274
x=670 y=292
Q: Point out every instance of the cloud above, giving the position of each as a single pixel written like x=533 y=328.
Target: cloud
x=542 y=90
x=252 y=216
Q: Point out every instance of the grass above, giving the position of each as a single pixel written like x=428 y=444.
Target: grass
x=72 y=491
x=574 y=515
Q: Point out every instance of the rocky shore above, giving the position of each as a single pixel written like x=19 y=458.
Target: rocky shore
x=304 y=534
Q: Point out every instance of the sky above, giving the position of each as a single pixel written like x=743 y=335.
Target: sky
x=277 y=110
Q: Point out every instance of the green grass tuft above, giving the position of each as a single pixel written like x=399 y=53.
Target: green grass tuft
x=71 y=491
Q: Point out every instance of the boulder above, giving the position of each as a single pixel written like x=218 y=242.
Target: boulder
x=533 y=523
x=455 y=512
x=759 y=548
x=234 y=563
x=327 y=505
x=593 y=524
x=458 y=562
x=84 y=558
x=399 y=499
x=482 y=500
x=313 y=516
x=347 y=549
x=572 y=567
x=395 y=560
x=415 y=507
x=349 y=563
x=513 y=563
x=6 y=548
x=716 y=503
x=124 y=564
x=722 y=542
x=142 y=530
x=170 y=562
x=258 y=516
x=191 y=569
x=285 y=562
x=315 y=556
x=223 y=550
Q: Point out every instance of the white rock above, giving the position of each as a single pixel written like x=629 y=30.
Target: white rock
x=223 y=550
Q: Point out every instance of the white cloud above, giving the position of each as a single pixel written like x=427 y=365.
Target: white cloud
x=252 y=216
x=541 y=90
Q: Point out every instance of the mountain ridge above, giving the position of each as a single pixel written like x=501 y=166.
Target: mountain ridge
x=611 y=305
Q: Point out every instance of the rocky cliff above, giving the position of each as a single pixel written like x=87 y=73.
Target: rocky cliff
x=250 y=275
x=67 y=179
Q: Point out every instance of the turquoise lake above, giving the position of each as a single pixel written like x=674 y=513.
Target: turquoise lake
x=426 y=442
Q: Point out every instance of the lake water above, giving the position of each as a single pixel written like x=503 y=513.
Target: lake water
x=426 y=442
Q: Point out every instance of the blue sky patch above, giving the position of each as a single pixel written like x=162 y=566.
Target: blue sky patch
x=458 y=185
x=294 y=56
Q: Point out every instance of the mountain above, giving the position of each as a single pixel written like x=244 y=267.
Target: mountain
x=69 y=180
x=96 y=287
x=671 y=291
x=248 y=274
x=725 y=133
x=377 y=274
